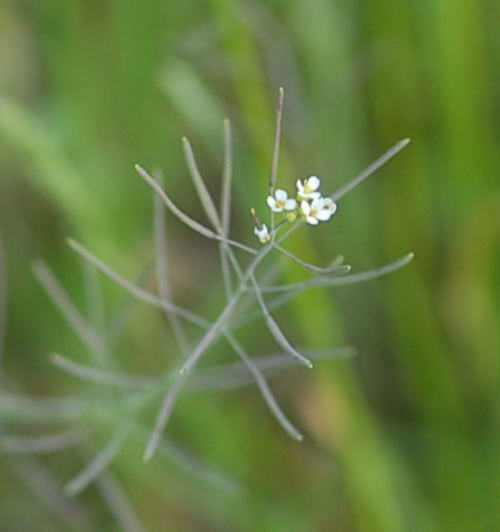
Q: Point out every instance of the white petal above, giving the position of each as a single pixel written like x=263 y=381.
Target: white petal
x=274 y=205
x=328 y=204
x=305 y=207
x=312 y=221
x=300 y=186
x=313 y=182
x=280 y=194
x=314 y=195
x=316 y=204
x=290 y=204
x=324 y=215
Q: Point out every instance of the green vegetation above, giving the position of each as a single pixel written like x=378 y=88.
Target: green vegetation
x=405 y=435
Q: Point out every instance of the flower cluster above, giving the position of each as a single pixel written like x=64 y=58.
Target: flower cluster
x=308 y=205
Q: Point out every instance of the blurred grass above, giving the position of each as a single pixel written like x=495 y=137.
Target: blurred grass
x=404 y=438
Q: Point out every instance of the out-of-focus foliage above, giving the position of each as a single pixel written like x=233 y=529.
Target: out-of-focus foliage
x=406 y=436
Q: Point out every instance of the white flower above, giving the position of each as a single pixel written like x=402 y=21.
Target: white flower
x=328 y=209
x=262 y=234
x=281 y=201
x=308 y=188
x=319 y=210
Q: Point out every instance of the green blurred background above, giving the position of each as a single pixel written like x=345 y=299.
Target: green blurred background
x=405 y=436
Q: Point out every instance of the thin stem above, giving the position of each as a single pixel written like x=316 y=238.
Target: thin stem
x=201 y=189
x=232 y=258
x=208 y=338
x=48 y=489
x=183 y=459
x=93 y=297
x=347 y=279
x=118 y=502
x=163 y=416
x=330 y=270
x=225 y=206
x=275 y=330
x=226 y=272
x=210 y=335
x=194 y=225
x=100 y=462
x=162 y=274
x=227 y=175
x=195 y=466
x=42 y=444
x=138 y=292
x=208 y=204
x=353 y=183
x=273 y=175
x=216 y=377
x=290 y=231
x=135 y=290
x=266 y=392
x=78 y=323
x=39 y=410
x=118 y=319
x=272 y=304
x=277 y=140
x=235 y=374
x=389 y=154
x=89 y=373
x=248 y=300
